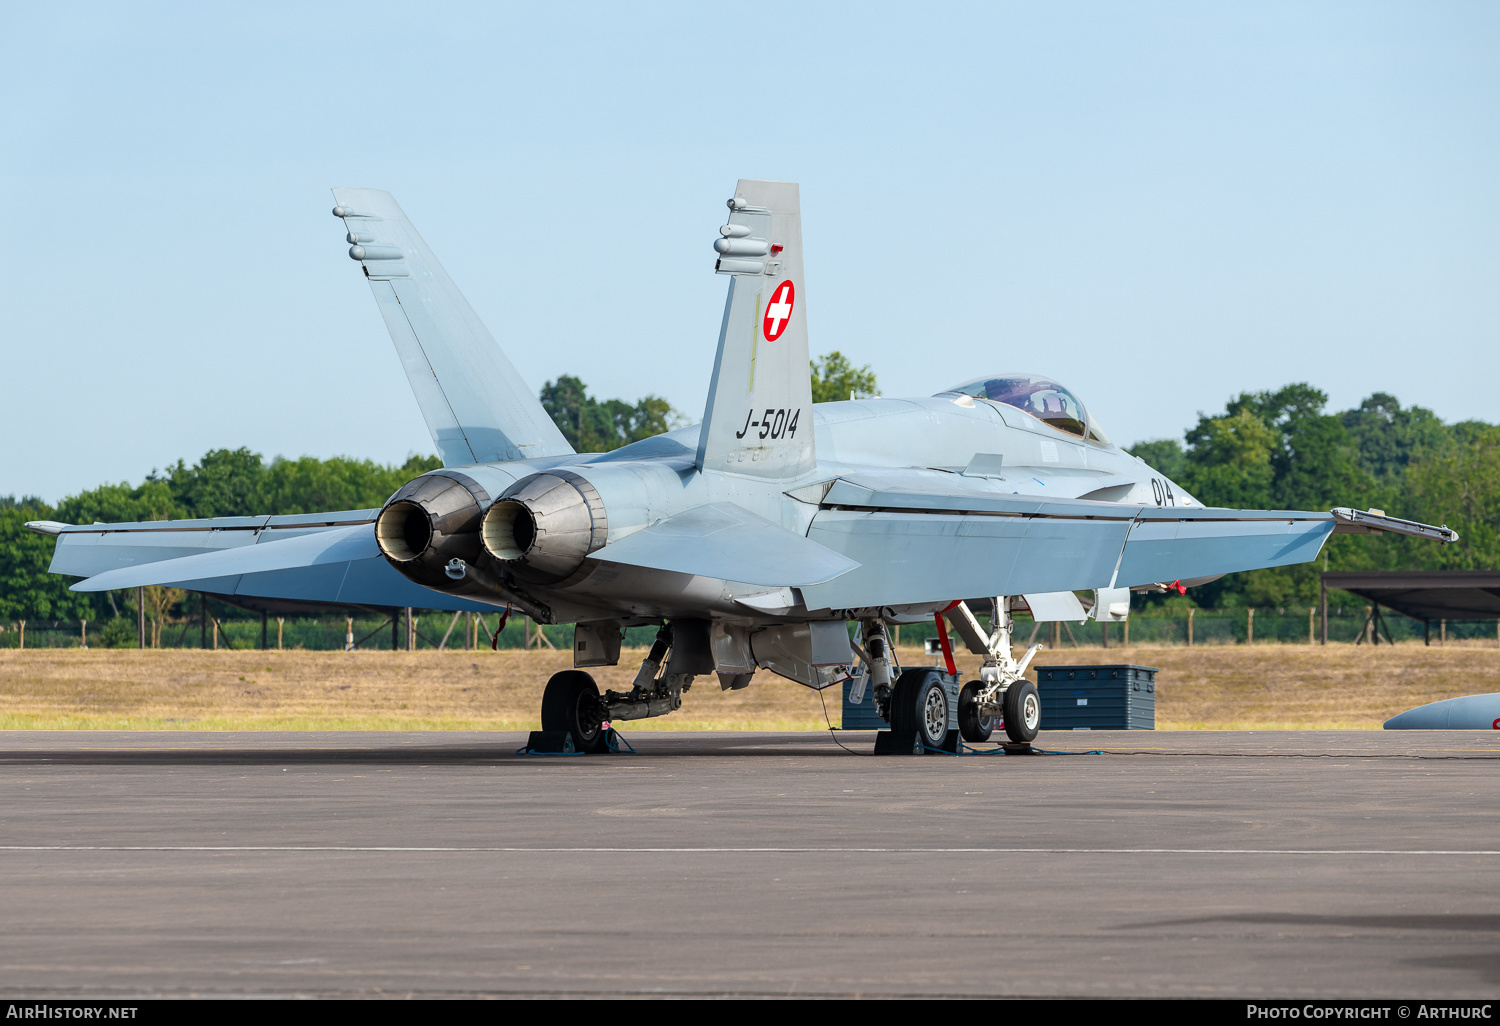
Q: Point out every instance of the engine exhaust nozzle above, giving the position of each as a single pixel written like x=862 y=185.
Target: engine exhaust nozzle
x=431 y=521
x=544 y=525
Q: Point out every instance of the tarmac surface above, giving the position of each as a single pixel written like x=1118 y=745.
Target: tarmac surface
x=1174 y=864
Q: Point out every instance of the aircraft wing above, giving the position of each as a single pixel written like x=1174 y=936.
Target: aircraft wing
x=917 y=546
x=324 y=558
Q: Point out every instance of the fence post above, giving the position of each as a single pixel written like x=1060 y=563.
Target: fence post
x=411 y=631
x=83 y=634
x=23 y=634
x=1323 y=606
x=1443 y=632
x=279 y=621
x=1310 y=611
x=1249 y=625
x=1191 y=611
x=1125 y=630
x=348 y=634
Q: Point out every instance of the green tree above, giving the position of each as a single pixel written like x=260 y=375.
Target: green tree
x=1164 y=455
x=592 y=425
x=1230 y=461
x=1459 y=485
x=27 y=590
x=1387 y=436
x=224 y=483
x=834 y=378
x=311 y=485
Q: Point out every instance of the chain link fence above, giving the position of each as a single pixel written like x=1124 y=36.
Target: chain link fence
x=432 y=629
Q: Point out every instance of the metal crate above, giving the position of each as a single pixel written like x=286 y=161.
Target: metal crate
x=862 y=716
x=1119 y=697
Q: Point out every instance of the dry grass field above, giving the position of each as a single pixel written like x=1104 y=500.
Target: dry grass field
x=1219 y=687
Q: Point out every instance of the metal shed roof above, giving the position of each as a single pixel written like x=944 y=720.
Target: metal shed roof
x=1427 y=594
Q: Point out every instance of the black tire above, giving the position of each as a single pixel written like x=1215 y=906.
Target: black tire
x=919 y=703
x=1023 y=711
x=975 y=726
x=571 y=702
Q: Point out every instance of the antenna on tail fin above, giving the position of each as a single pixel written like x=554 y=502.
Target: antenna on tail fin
x=759 y=422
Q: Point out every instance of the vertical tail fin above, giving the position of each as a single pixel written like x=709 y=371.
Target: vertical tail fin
x=758 y=422
x=476 y=405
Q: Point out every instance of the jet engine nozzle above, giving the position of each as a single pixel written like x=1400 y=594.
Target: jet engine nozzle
x=544 y=525
x=429 y=522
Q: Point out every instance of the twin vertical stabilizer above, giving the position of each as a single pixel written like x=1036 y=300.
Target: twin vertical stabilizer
x=759 y=422
x=476 y=405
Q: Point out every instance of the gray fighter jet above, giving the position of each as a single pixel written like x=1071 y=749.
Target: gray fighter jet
x=752 y=539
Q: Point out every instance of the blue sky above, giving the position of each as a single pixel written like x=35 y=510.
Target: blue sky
x=1160 y=204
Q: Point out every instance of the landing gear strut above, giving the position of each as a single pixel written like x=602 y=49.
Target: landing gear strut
x=1002 y=690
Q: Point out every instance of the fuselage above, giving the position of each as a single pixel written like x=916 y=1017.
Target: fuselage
x=947 y=444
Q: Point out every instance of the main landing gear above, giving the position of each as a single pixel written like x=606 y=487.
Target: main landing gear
x=928 y=709
x=571 y=705
x=575 y=715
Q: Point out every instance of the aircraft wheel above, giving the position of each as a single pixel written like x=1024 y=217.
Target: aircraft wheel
x=920 y=703
x=974 y=725
x=571 y=702
x=1022 y=708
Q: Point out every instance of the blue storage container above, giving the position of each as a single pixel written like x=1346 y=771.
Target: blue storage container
x=862 y=716
x=1097 y=697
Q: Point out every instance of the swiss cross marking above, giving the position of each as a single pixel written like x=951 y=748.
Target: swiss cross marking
x=779 y=311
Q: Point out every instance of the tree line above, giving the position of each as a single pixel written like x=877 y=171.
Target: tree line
x=1284 y=449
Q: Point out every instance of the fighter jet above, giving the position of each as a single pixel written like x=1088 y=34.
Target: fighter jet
x=753 y=539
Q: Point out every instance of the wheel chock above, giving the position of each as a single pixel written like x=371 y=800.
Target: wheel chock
x=550 y=742
x=906 y=742
x=560 y=742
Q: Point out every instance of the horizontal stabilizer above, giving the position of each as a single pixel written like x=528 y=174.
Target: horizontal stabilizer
x=341 y=544
x=725 y=541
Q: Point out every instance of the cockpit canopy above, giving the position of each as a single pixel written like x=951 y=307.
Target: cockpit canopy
x=1043 y=398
